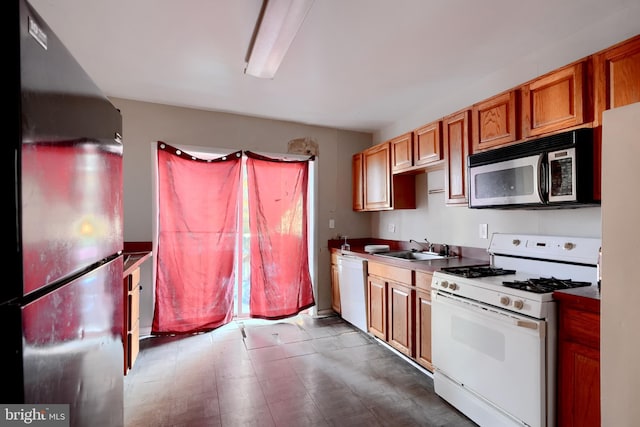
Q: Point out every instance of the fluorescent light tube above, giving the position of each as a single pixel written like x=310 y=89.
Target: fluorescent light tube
x=277 y=28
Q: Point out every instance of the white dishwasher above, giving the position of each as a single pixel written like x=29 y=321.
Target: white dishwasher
x=352 y=276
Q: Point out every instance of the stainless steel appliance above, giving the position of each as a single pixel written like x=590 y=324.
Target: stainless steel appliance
x=494 y=349
x=61 y=299
x=352 y=277
x=553 y=171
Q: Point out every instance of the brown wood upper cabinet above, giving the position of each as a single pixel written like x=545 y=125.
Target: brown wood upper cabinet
x=555 y=101
x=376 y=167
x=381 y=189
x=496 y=121
x=617 y=77
x=401 y=152
x=427 y=144
x=456 y=149
x=413 y=151
x=357 y=181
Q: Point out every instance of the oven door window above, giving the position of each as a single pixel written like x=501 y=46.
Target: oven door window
x=494 y=353
x=562 y=175
x=508 y=182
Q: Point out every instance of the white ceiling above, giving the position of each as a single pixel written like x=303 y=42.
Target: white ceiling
x=364 y=65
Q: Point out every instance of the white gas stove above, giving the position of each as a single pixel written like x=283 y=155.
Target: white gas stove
x=494 y=347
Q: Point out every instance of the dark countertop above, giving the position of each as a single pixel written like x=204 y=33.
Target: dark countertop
x=467 y=256
x=587 y=297
x=132 y=260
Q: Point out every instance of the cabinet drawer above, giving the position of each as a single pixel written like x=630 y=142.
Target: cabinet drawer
x=423 y=281
x=580 y=326
x=396 y=274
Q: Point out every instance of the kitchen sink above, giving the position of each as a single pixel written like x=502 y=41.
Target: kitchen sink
x=413 y=255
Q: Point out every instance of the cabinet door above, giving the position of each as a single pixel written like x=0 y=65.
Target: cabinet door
x=456 y=150
x=377 y=177
x=617 y=77
x=382 y=190
x=377 y=316
x=495 y=121
x=555 y=101
x=578 y=398
x=400 y=312
x=132 y=313
x=579 y=385
x=401 y=152
x=427 y=144
x=357 y=182
x=423 y=329
x=335 y=289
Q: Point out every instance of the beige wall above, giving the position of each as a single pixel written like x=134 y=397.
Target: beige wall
x=144 y=123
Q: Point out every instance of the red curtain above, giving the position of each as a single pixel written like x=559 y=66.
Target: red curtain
x=280 y=280
x=198 y=223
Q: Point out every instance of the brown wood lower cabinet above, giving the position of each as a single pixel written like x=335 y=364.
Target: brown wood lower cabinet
x=377 y=307
x=423 y=319
x=400 y=309
x=578 y=400
x=335 y=284
x=401 y=318
x=132 y=317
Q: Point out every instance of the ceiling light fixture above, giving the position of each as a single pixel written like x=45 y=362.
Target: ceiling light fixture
x=277 y=26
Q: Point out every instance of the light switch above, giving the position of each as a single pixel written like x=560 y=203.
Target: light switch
x=484 y=231
x=332 y=223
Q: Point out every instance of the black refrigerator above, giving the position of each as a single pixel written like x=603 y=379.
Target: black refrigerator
x=61 y=304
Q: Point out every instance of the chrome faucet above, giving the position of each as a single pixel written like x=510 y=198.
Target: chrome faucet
x=422 y=245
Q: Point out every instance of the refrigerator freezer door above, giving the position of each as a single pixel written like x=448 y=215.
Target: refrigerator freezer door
x=71 y=208
x=69 y=164
x=71 y=348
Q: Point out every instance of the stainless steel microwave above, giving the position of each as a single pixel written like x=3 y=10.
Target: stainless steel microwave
x=552 y=171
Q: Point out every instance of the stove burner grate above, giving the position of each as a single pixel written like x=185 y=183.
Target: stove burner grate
x=544 y=285
x=477 y=271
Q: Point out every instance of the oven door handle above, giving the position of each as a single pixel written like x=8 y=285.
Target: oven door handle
x=527 y=324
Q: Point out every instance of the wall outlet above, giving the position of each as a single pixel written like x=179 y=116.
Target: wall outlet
x=484 y=231
x=332 y=223
x=391 y=228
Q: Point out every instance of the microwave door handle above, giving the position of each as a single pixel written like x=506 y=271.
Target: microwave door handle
x=542 y=178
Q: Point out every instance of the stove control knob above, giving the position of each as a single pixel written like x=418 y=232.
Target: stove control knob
x=568 y=246
x=444 y=284
x=518 y=304
x=453 y=286
x=516 y=242
x=505 y=300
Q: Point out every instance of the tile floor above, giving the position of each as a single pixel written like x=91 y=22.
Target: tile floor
x=295 y=372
